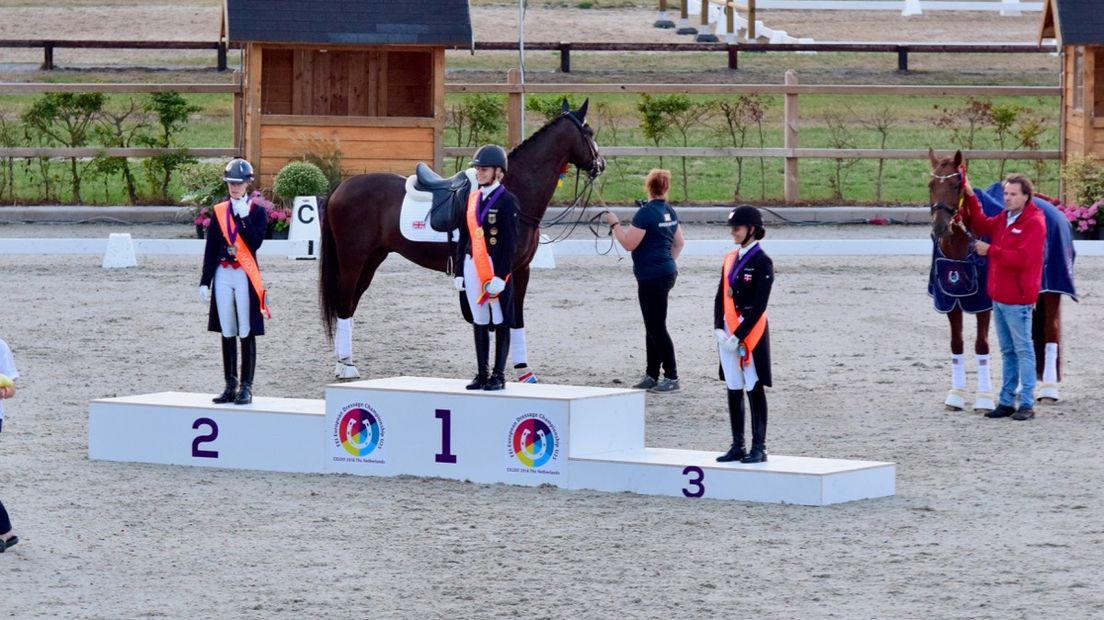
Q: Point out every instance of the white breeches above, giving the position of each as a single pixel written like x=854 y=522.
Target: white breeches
x=491 y=311
x=232 y=301
x=735 y=378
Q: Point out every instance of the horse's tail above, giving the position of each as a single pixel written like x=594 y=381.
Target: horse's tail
x=328 y=270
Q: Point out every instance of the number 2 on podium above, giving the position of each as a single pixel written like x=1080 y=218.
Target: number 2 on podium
x=445 y=455
x=202 y=439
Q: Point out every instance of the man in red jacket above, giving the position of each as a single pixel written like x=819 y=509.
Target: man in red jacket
x=1015 y=272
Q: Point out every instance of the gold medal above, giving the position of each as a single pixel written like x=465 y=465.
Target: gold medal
x=493 y=241
x=232 y=250
x=494 y=231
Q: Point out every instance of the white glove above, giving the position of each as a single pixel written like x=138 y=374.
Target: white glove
x=732 y=343
x=241 y=209
x=496 y=286
x=458 y=283
x=205 y=294
x=720 y=335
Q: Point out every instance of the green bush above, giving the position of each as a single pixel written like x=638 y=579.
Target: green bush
x=299 y=178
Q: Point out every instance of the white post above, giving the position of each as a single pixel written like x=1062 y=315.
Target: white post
x=1010 y=8
x=120 y=252
x=305 y=228
x=912 y=7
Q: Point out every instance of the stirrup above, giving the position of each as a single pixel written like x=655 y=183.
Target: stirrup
x=956 y=400
x=345 y=369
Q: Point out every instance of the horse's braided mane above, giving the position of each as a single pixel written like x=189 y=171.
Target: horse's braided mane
x=536 y=133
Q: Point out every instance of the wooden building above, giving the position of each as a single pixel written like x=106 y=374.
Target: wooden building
x=1078 y=28
x=363 y=78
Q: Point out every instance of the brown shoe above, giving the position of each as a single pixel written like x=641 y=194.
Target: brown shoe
x=1025 y=413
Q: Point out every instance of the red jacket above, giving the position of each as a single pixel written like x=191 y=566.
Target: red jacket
x=1016 y=252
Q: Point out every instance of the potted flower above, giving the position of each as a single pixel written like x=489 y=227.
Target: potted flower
x=297 y=178
x=1083 y=220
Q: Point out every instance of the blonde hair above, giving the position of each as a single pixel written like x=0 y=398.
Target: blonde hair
x=658 y=182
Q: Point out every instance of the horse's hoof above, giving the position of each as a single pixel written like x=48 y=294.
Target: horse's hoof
x=983 y=401
x=1047 y=393
x=956 y=400
x=346 y=371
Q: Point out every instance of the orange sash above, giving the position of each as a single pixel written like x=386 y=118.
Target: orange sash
x=244 y=257
x=732 y=315
x=483 y=269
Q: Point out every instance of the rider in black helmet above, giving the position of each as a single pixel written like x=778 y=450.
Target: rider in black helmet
x=230 y=269
x=743 y=338
x=489 y=231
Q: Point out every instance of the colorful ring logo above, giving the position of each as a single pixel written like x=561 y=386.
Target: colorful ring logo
x=359 y=432
x=533 y=442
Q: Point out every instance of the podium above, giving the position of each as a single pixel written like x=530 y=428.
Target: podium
x=572 y=437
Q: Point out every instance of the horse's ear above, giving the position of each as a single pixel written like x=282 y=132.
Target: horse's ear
x=565 y=107
x=932 y=158
x=581 y=112
x=958 y=160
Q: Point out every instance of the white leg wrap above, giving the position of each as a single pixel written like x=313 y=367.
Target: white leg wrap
x=984 y=378
x=1050 y=369
x=958 y=372
x=517 y=346
x=343 y=339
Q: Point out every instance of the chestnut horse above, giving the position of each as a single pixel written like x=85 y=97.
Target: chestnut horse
x=360 y=228
x=957 y=282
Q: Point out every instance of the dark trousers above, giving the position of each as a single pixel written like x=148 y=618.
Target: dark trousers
x=653 y=305
x=5 y=522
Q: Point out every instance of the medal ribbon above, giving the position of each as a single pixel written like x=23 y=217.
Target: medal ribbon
x=731 y=314
x=491 y=199
x=231 y=226
x=245 y=257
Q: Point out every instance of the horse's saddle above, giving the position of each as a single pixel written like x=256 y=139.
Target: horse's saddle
x=434 y=206
x=450 y=196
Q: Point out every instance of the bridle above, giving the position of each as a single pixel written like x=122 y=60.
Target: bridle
x=955 y=212
x=582 y=193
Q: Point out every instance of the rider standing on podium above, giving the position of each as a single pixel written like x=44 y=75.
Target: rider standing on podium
x=743 y=338
x=484 y=261
x=230 y=268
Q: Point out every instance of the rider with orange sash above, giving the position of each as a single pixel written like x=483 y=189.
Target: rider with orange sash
x=483 y=263
x=230 y=271
x=743 y=337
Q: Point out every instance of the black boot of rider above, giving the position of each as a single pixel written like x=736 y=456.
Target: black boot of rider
x=502 y=349
x=249 y=365
x=757 y=399
x=229 y=371
x=736 y=421
x=482 y=353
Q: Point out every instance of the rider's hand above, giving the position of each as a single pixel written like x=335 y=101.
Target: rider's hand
x=720 y=335
x=731 y=343
x=458 y=283
x=205 y=294
x=496 y=286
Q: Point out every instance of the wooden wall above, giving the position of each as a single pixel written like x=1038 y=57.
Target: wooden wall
x=1083 y=125
x=381 y=107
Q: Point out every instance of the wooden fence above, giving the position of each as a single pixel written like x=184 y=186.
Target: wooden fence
x=731 y=50
x=790 y=151
x=791 y=91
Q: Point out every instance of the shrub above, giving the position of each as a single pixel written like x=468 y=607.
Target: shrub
x=299 y=178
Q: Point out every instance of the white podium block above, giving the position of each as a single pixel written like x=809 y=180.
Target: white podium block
x=694 y=473
x=544 y=258
x=525 y=434
x=120 y=252
x=177 y=428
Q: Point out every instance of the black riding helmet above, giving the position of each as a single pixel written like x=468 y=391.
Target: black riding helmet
x=490 y=155
x=238 y=171
x=747 y=215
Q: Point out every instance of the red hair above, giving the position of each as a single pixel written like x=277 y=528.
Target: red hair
x=658 y=182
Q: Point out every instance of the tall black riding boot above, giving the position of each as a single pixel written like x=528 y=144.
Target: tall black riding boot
x=736 y=421
x=229 y=371
x=249 y=364
x=482 y=353
x=757 y=399
x=502 y=349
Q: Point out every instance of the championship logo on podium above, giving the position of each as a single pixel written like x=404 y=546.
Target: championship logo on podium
x=358 y=435
x=533 y=443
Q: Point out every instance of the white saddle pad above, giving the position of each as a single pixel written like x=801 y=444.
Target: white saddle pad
x=414 y=216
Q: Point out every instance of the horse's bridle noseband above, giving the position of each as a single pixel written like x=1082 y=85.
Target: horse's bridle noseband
x=940 y=206
x=595 y=158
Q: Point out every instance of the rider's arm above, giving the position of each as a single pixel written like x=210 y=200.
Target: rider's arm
x=678 y=244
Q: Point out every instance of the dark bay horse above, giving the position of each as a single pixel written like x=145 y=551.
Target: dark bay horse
x=954 y=263
x=360 y=227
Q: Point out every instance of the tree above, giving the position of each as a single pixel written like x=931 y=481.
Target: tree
x=481 y=115
x=882 y=122
x=172 y=111
x=737 y=117
x=115 y=130
x=66 y=119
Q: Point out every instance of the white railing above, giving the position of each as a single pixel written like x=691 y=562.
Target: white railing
x=906 y=7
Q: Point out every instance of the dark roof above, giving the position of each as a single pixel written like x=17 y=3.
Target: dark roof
x=357 y=22
x=1073 y=22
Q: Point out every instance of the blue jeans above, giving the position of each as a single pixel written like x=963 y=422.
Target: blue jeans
x=1017 y=353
